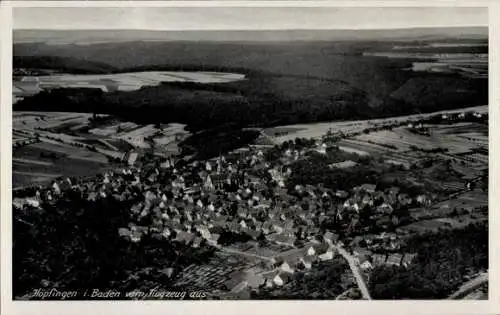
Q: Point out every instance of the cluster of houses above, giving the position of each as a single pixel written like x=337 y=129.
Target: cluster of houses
x=280 y=270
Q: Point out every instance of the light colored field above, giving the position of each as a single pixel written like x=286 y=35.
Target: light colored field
x=359 y=145
x=349 y=149
x=115 y=129
x=71 y=152
x=120 y=81
x=45 y=120
x=30 y=161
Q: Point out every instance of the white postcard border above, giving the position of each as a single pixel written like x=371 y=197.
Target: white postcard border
x=491 y=306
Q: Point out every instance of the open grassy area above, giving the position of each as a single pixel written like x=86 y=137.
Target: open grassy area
x=70 y=162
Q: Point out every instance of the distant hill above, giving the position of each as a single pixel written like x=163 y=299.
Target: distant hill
x=101 y=36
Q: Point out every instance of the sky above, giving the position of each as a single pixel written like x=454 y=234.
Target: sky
x=220 y=18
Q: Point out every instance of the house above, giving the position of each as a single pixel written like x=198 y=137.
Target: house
x=257 y=225
x=367 y=200
x=288 y=225
x=212 y=240
x=285 y=267
x=408 y=259
x=311 y=251
x=394 y=191
x=266 y=227
x=369 y=188
x=328 y=255
x=423 y=200
x=273 y=213
x=234 y=226
x=168 y=272
x=242 y=212
x=277 y=227
x=184 y=237
x=243 y=224
x=361 y=255
x=305 y=262
x=208 y=183
x=203 y=230
x=197 y=242
x=378 y=259
x=330 y=238
x=252 y=233
x=166 y=232
x=343 y=165
x=366 y=265
x=285 y=277
x=208 y=166
x=385 y=209
x=322 y=149
x=404 y=199
x=277 y=280
x=56 y=188
x=287 y=239
x=273 y=279
x=269 y=283
x=341 y=194
x=394 y=260
x=254 y=280
x=199 y=203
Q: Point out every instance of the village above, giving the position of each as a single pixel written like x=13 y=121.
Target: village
x=266 y=226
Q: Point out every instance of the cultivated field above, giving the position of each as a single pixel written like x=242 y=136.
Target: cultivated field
x=118 y=82
x=447 y=137
x=42 y=162
x=50 y=145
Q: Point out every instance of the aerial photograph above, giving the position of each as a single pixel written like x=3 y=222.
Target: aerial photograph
x=250 y=153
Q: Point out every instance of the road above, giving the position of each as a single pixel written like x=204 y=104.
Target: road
x=470 y=286
x=355 y=271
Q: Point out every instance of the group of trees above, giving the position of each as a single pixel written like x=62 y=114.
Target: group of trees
x=316 y=170
x=74 y=244
x=443 y=259
x=210 y=144
x=322 y=282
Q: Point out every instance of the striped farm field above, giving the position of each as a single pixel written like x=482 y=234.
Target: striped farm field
x=29 y=167
x=64 y=150
x=120 y=81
